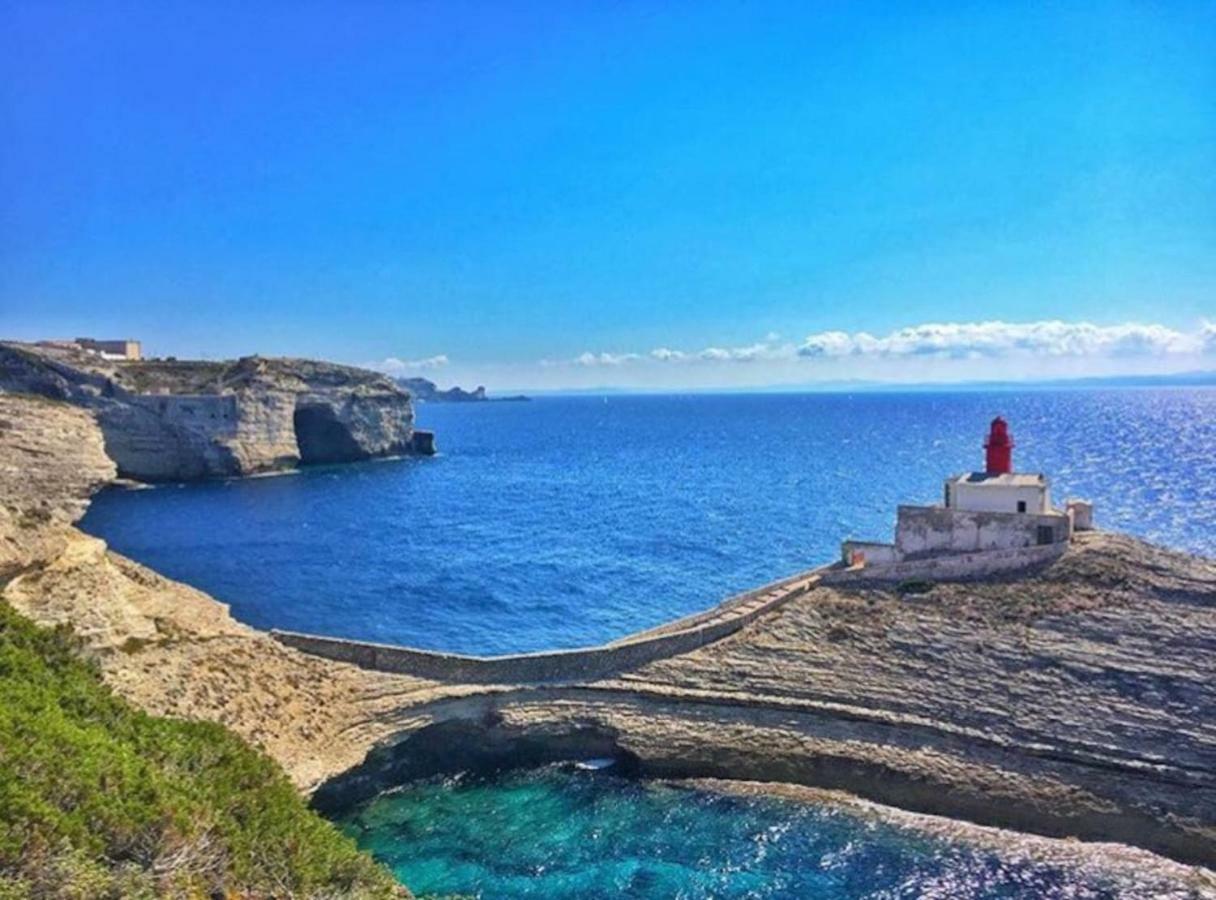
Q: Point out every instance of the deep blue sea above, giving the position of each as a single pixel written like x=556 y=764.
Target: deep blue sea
x=559 y=836
x=572 y=520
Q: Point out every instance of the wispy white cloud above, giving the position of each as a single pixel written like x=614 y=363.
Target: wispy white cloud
x=1207 y=336
x=969 y=340
x=664 y=354
x=605 y=359
x=750 y=353
x=392 y=365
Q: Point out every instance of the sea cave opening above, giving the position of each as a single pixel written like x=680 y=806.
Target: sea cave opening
x=322 y=438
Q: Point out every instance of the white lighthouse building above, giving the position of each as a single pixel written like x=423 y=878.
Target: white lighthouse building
x=998 y=488
x=996 y=509
x=1020 y=492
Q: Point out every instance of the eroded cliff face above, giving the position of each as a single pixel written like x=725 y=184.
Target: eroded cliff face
x=166 y=647
x=51 y=459
x=174 y=421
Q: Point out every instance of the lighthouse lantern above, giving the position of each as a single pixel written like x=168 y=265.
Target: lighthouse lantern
x=998 y=449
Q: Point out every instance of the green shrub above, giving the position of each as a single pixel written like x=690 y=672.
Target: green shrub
x=98 y=799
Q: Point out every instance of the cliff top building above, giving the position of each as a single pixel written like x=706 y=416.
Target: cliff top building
x=111 y=349
x=994 y=509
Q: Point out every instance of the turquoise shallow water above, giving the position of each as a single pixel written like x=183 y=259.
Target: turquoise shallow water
x=570 y=521
x=556 y=835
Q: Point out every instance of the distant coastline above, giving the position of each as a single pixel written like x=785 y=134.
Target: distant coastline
x=423 y=390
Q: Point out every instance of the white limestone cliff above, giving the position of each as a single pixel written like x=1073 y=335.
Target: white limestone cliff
x=186 y=420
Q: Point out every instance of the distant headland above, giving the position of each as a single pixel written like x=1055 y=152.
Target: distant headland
x=423 y=390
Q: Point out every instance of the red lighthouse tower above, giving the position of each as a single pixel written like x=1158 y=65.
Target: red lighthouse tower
x=999 y=448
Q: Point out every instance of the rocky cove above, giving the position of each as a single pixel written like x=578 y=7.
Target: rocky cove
x=1072 y=699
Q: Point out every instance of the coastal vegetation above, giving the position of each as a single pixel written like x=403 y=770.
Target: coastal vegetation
x=99 y=799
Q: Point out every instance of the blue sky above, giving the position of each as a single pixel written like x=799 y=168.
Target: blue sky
x=657 y=194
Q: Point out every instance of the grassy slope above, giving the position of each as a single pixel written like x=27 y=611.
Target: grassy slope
x=98 y=799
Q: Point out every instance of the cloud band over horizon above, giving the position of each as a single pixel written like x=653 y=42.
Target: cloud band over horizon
x=943 y=340
x=946 y=351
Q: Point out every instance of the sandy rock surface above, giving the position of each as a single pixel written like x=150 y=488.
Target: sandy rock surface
x=1108 y=654
x=51 y=459
x=165 y=646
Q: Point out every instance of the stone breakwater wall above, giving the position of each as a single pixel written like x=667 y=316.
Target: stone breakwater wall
x=948 y=567
x=582 y=664
x=670 y=639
